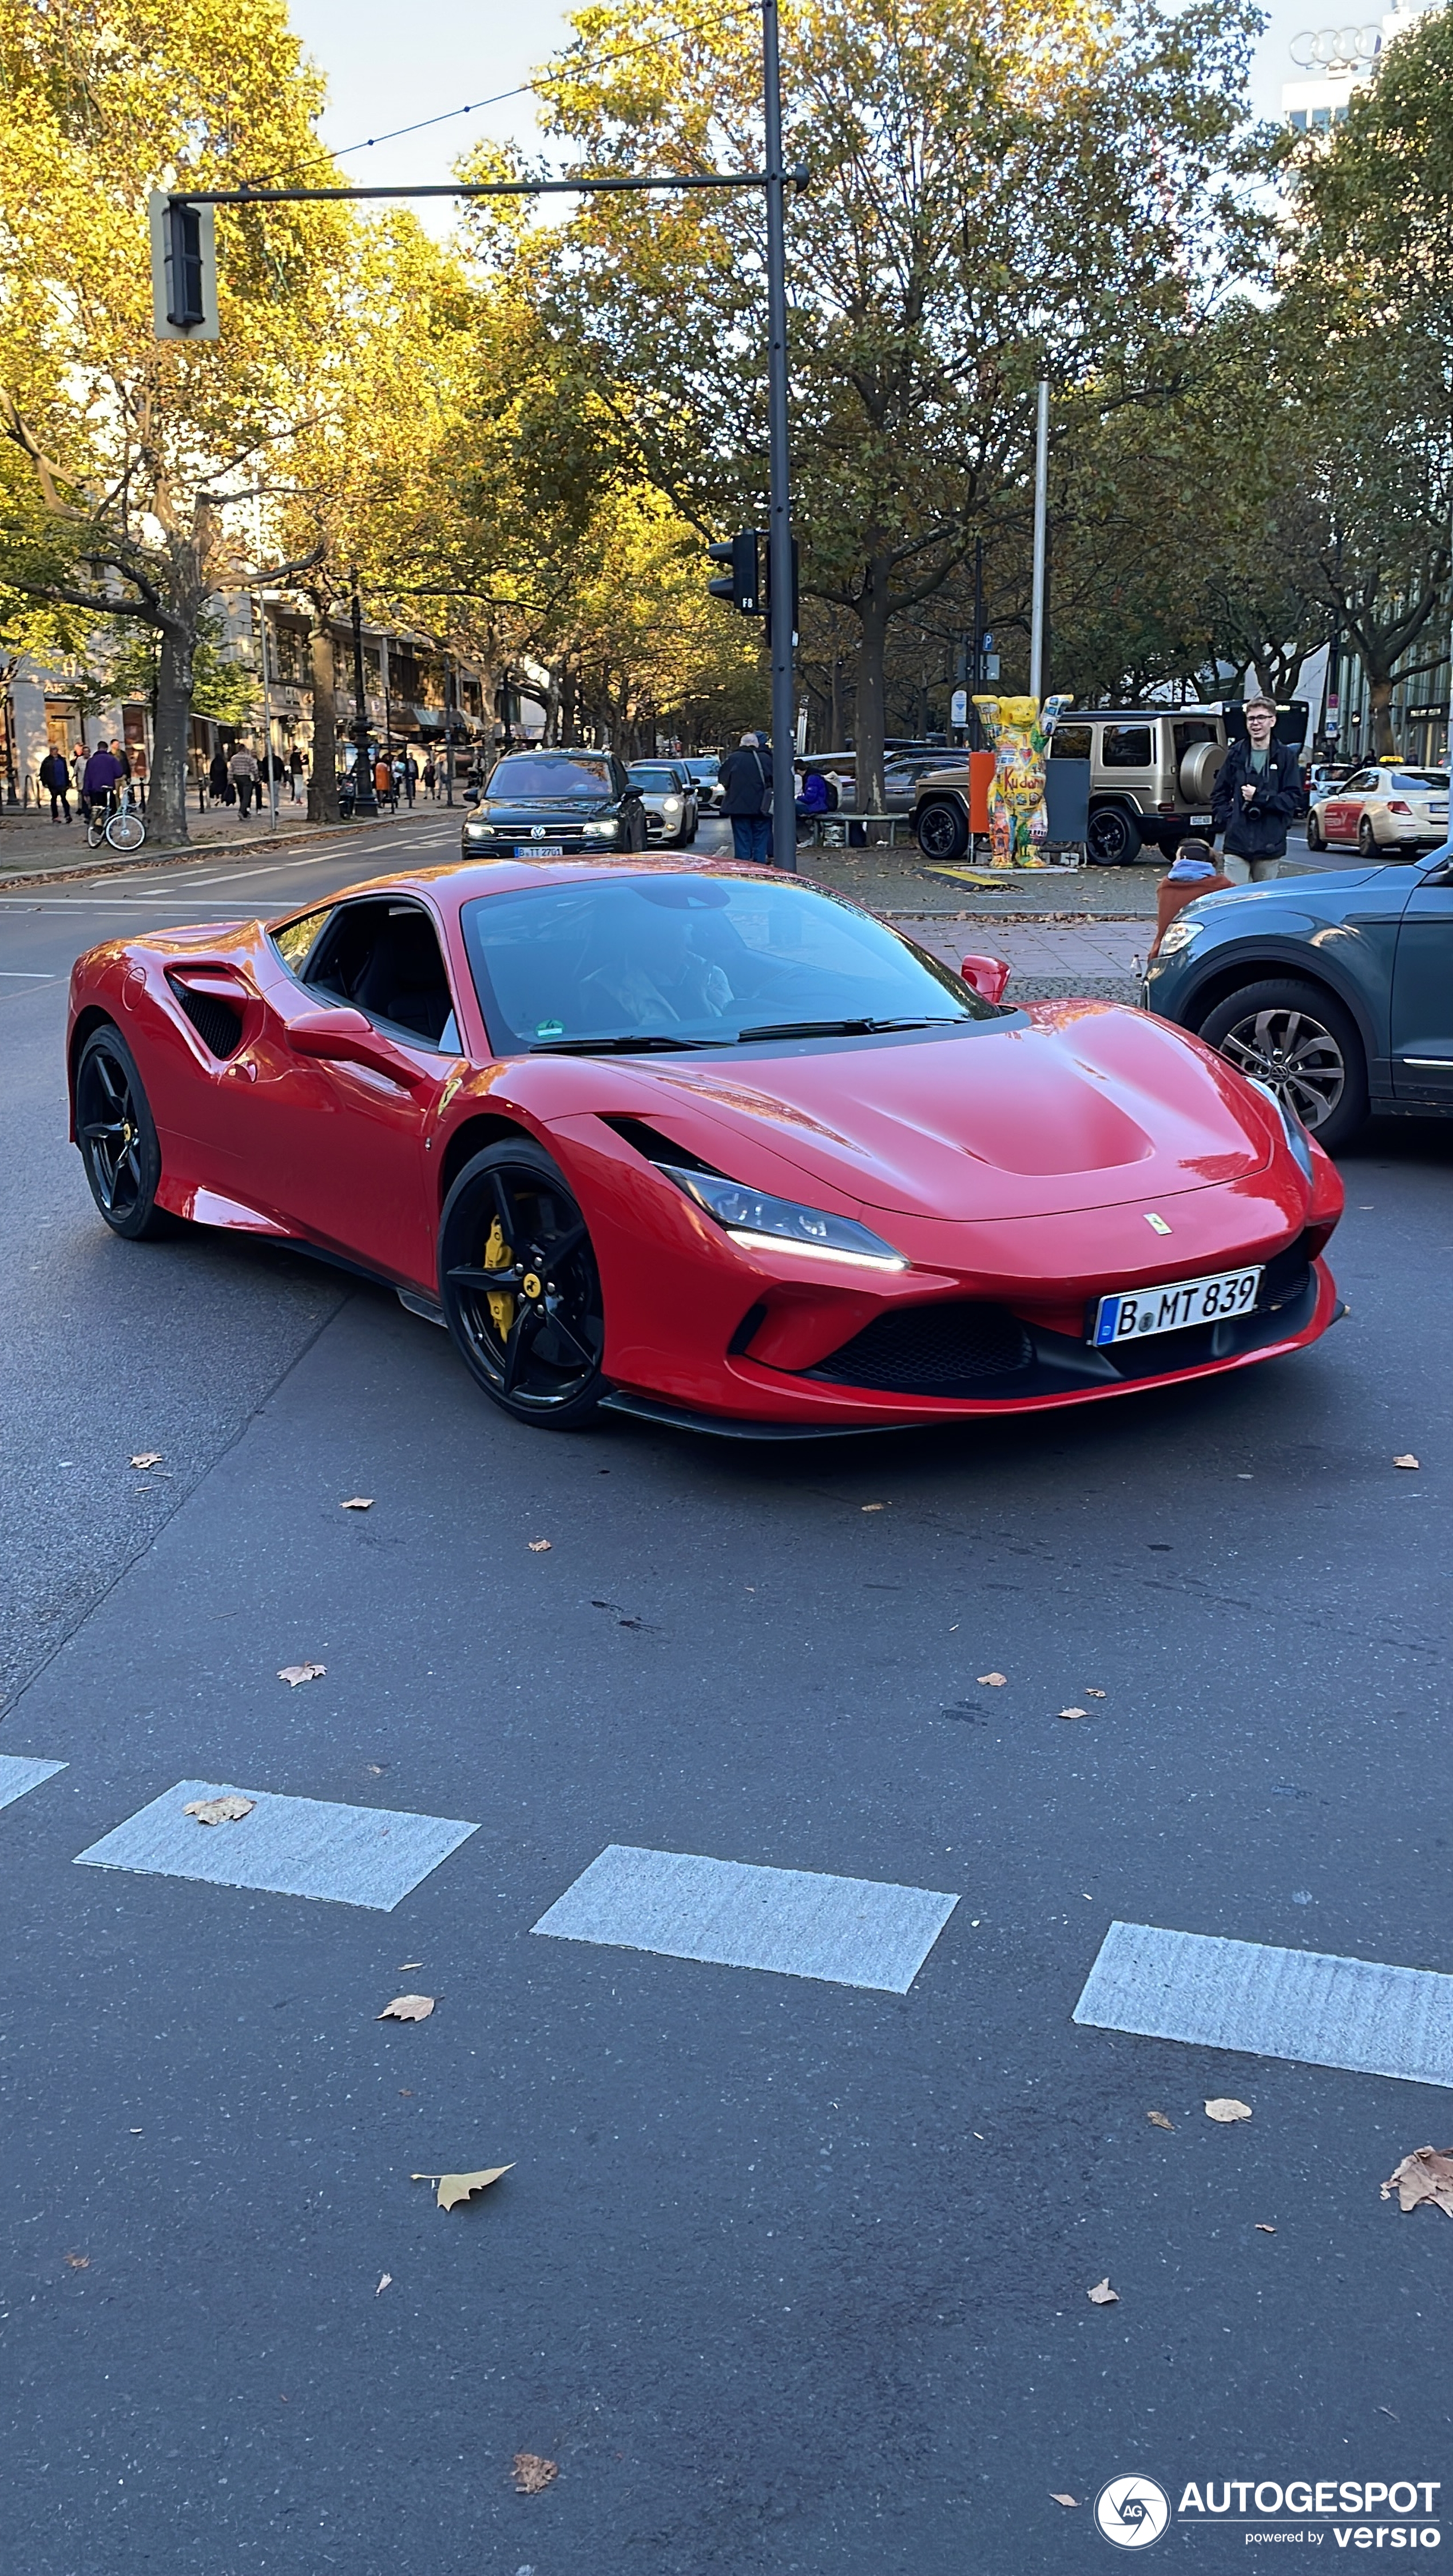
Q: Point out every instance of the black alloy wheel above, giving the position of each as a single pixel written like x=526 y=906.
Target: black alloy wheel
x=941 y=830
x=1114 y=837
x=1304 y=1045
x=117 y=1137
x=520 y=1288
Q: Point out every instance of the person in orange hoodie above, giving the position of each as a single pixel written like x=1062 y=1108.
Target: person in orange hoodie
x=1195 y=872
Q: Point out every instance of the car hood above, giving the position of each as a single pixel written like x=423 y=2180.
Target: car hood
x=1069 y=1105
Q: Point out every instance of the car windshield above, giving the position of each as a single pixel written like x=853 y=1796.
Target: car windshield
x=704 y=768
x=657 y=782
x=690 y=960
x=1420 y=780
x=527 y=776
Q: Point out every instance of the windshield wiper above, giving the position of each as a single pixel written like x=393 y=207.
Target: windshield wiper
x=843 y=1028
x=622 y=1046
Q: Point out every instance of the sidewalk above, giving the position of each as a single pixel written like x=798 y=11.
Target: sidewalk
x=32 y=849
x=1049 y=960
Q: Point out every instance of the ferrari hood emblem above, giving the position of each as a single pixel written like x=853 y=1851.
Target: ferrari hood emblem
x=1157 y=1224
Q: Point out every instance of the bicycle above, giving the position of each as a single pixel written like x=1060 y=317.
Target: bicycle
x=121 y=824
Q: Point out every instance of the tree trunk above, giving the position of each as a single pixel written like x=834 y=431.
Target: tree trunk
x=323 y=770
x=167 y=796
x=569 y=700
x=1379 y=707
x=872 y=609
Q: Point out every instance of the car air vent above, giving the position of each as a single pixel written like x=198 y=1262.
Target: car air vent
x=1285 y=1277
x=960 y=1348
x=218 y=1024
x=656 y=1148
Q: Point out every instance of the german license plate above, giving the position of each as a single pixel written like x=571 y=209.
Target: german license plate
x=1170 y=1309
x=1199 y=818
x=539 y=850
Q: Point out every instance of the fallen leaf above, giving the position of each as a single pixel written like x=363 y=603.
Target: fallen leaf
x=1056 y=2498
x=531 y=2474
x=220 y=1811
x=996 y=1681
x=1093 y=1694
x=870 y=1507
x=406 y=1964
x=1427 y=2175
x=538 y=1546
x=1102 y=2296
x=147 y=1458
x=376 y=1769
x=295 y=1673
x=406 y=2092
x=456 y=2187
x=79 y=2262
x=1074 y=1712
x=357 y=1503
x=1262 y=2228
x=384 y=2279
x=407 y=2008
x=1227 y=2108
x=1407 y=1460
x=1158 y=2120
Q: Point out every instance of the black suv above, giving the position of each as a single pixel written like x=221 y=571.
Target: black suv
x=547 y=804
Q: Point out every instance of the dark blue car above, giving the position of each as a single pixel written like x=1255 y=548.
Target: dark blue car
x=1337 y=990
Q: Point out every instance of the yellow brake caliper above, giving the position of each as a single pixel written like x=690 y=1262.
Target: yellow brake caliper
x=497 y=1256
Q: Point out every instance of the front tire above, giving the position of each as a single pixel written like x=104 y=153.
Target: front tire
x=1366 y=839
x=1114 y=837
x=118 y=1140
x=941 y=831
x=1305 y=1045
x=520 y=1289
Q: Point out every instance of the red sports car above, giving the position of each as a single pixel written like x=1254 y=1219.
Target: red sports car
x=704 y=1143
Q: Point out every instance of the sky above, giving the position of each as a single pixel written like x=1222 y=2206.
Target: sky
x=384 y=72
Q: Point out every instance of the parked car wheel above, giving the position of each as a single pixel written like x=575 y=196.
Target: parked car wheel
x=1305 y=1045
x=520 y=1289
x=941 y=830
x=1114 y=837
x=1314 y=834
x=1366 y=838
x=118 y=1140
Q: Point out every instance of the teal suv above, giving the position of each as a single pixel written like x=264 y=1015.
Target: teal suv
x=1336 y=990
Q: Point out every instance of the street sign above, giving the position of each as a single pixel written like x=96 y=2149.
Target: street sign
x=958 y=707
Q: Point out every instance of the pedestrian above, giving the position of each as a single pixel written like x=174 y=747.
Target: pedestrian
x=411 y=775
x=1194 y=872
x=1258 y=791
x=78 y=780
x=295 y=772
x=55 y=778
x=103 y=770
x=244 y=778
x=431 y=776
x=746 y=798
x=217 y=779
x=122 y=758
x=383 y=780
x=813 y=801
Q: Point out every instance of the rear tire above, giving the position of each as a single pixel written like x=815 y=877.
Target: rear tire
x=1305 y=1044
x=1114 y=837
x=118 y=1140
x=1366 y=839
x=520 y=1289
x=941 y=831
x=1314 y=834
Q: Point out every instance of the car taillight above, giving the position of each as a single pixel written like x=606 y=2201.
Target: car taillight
x=1397 y=806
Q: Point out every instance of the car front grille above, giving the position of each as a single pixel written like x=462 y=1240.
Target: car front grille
x=963 y=1348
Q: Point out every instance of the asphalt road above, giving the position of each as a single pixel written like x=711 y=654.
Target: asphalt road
x=788 y=2277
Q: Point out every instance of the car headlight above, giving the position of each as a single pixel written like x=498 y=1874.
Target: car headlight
x=760 y=1223
x=671 y=804
x=479 y=831
x=1179 y=935
x=1292 y=1128
x=600 y=831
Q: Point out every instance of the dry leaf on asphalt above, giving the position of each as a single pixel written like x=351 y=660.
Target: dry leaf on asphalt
x=1427 y=2175
x=79 y=2262
x=456 y=2187
x=1093 y=1694
x=406 y=1964
x=407 y=2008
x=1056 y=2498
x=1158 y=2120
x=295 y=1673
x=1102 y=2296
x=996 y=1681
x=220 y=1811
x=357 y=1503
x=384 y=2279
x=1074 y=1712
x=1406 y=1460
x=538 y=1546
x=147 y=1458
x=1226 y=2108
x=531 y=2474
x=1264 y=2229
x=870 y=1507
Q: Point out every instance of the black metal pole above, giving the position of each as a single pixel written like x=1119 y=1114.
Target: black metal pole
x=450 y=695
x=779 y=538
x=364 y=799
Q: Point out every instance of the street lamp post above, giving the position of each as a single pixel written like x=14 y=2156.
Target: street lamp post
x=364 y=799
x=779 y=523
x=1041 y=522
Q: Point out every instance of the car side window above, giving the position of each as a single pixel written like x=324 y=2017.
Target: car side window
x=384 y=958
x=295 y=938
x=1070 y=742
x=1359 y=786
x=1125 y=747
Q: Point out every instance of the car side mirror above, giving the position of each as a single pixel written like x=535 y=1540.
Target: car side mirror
x=986 y=976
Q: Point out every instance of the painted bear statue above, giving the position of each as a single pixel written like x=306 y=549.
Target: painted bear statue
x=1018 y=731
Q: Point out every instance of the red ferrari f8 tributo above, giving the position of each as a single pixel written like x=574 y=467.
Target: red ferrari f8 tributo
x=704 y=1143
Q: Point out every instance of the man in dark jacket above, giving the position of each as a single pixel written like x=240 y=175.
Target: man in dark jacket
x=1257 y=794
x=55 y=778
x=103 y=773
x=746 y=790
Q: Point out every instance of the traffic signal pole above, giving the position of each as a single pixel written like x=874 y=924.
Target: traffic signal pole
x=783 y=589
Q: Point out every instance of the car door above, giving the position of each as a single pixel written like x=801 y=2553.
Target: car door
x=359 y=1040
x=1342 y=812
x=1422 y=992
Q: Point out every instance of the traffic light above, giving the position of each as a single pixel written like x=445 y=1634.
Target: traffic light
x=742 y=585
x=183 y=269
x=767 y=603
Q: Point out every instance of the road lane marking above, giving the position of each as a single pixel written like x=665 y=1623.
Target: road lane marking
x=800 y=1923
x=19 y=1774
x=1306 y=2005
x=368 y=1856
x=25 y=975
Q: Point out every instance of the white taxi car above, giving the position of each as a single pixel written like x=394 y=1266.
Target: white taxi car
x=1386 y=806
